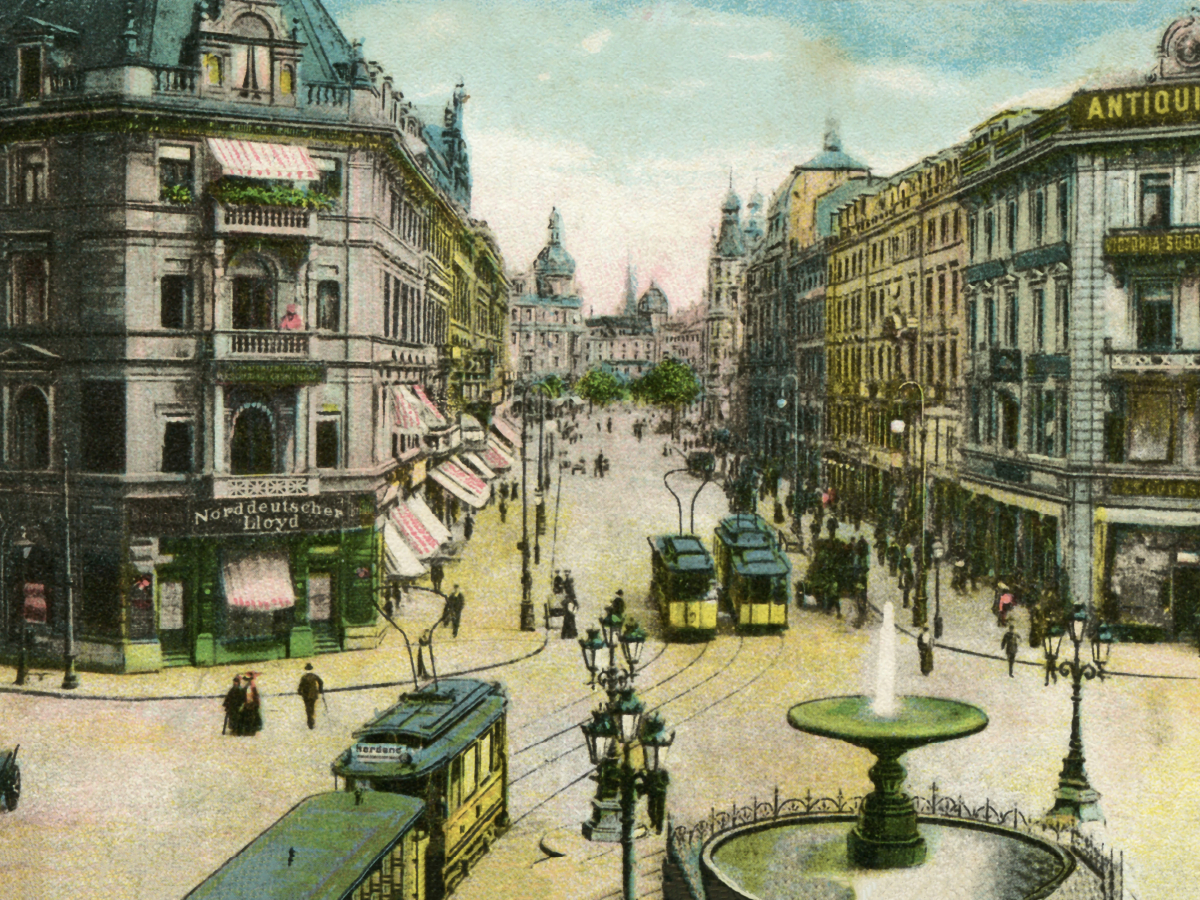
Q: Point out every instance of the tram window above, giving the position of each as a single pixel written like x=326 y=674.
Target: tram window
x=469 y=772
x=454 y=794
x=485 y=754
x=498 y=746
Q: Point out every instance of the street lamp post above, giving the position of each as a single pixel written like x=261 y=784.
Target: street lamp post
x=1076 y=799
x=782 y=403
x=25 y=545
x=939 y=551
x=921 y=602
x=70 y=679
x=527 y=623
x=612 y=734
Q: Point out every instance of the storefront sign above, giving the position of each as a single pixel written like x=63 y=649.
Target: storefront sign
x=387 y=753
x=276 y=373
x=1154 y=487
x=268 y=515
x=1149 y=107
x=1153 y=243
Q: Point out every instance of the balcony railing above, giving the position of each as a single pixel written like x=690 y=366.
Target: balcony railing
x=261 y=343
x=280 y=220
x=1151 y=360
x=265 y=486
x=175 y=80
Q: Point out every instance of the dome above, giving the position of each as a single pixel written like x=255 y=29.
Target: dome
x=554 y=260
x=654 y=300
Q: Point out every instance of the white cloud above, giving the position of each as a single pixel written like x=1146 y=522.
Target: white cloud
x=594 y=43
x=543 y=76
x=765 y=56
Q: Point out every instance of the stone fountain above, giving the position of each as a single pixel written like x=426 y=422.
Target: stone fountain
x=886 y=835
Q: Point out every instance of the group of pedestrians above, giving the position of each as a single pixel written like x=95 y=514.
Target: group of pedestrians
x=563 y=586
x=243 y=707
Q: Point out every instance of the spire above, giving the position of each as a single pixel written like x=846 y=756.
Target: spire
x=833 y=141
x=556 y=226
x=630 y=288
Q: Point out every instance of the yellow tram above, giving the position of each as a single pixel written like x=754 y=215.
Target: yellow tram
x=683 y=587
x=753 y=574
x=447 y=747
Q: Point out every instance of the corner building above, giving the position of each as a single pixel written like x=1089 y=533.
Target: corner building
x=243 y=307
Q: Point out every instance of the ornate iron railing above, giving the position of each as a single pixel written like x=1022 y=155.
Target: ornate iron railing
x=282 y=217
x=684 y=843
x=328 y=94
x=175 y=80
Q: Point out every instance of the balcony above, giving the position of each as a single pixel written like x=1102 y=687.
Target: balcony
x=225 y=486
x=259 y=343
x=997 y=364
x=282 y=221
x=1166 y=361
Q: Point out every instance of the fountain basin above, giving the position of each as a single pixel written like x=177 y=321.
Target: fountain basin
x=806 y=859
x=886 y=836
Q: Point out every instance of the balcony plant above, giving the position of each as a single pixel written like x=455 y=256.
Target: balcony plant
x=176 y=194
x=245 y=192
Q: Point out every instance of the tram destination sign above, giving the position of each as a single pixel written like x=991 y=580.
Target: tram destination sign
x=387 y=753
x=1137 y=106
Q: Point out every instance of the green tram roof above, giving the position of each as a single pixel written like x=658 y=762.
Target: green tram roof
x=336 y=843
x=745 y=522
x=761 y=562
x=433 y=727
x=683 y=553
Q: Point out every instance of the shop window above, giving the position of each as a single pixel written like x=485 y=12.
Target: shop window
x=253 y=302
x=1155 y=317
x=252 y=444
x=29 y=76
x=176 y=175
x=30 y=289
x=31 y=430
x=327 y=443
x=177 y=446
x=31 y=175
x=175 y=306
x=329 y=305
x=1156 y=201
x=102 y=426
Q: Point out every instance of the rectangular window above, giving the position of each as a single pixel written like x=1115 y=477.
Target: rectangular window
x=972 y=225
x=387 y=305
x=992 y=326
x=177 y=446
x=1039 y=318
x=1062 y=314
x=102 y=426
x=989 y=232
x=176 y=175
x=31 y=176
x=175 y=302
x=1064 y=214
x=1039 y=217
x=929 y=295
x=955 y=220
x=1156 y=201
x=1011 y=230
x=329 y=305
x=330 y=182
x=954 y=361
x=29 y=61
x=942 y=293
x=1155 y=316
x=1011 y=319
x=945 y=226
x=327 y=443
x=30 y=289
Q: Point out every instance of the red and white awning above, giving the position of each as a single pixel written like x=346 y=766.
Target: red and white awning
x=506 y=431
x=477 y=464
x=398 y=557
x=436 y=419
x=405 y=408
x=467 y=487
x=496 y=458
x=414 y=532
x=255 y=159
x=260 y=581
x=428 y=519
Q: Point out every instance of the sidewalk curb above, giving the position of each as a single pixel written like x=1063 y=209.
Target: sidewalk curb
x=108 y=698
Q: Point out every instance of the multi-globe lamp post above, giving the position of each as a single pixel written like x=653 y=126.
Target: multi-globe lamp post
x=898 y=426
x=628 y=747
x=1075 y=798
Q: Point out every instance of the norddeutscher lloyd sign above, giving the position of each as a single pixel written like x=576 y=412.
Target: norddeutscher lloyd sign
x=1137 y=106
x=267 y=515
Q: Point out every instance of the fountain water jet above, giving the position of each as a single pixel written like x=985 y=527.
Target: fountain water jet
x=885 y=665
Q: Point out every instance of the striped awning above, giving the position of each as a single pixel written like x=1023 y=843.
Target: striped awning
x=469 y=488
x=260 y=581
x=506 y=431
x=414 y=532
x=405 y=409
x=255 y=159
x=428 y=519
x=435 y=418
x=496 y=458
x=477 y=464
x=398 y=557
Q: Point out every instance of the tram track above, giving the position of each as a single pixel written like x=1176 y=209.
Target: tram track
x=770 y=664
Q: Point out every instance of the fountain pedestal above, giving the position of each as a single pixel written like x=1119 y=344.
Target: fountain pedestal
x=886 y=836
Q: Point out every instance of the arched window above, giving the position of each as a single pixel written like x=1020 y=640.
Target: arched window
x=252 y=61
x=31 y=430
x=252 y=446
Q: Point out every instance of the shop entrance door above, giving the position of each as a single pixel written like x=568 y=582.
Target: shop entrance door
x=320 y=611
x=172 y=623
x=1185 y=601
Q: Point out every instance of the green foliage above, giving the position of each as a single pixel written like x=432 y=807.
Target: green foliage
x=599 y=387
x=670 y=384
x=178 y=194
x=551 y=386
x=244 y=192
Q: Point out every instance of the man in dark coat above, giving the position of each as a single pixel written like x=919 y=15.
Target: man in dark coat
x=436 y=574
x=456 y=601
x=311 y=687
x=468 y=526
x=1009 y=644
x=503 y=507
x=504 y=490
x=618 y=603
x=925 y=649
x=234 y=699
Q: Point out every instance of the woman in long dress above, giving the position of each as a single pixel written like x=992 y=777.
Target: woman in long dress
x=568 y=625
x=251 y=717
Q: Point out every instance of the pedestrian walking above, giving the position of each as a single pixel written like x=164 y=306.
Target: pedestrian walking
x=1051 y=667
x=504 y=490
x=597 y=428
x=250 y=717
x=568 y=624
x=456 y=609
x=310 y=688
x=233 y=701
x=503 y=507
x=925 y=650
x=513 y=491
x=447 y=610
x=388 y=608
x=618 y=603
x=610 y=424
x=1003 y=604
x=436 y=574
x=1008 y=644
x=906 y=578
x=468 y=527
x=569 y=586
x=558 y=583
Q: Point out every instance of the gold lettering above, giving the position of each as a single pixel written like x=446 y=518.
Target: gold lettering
x=1145 y=103
x=1181 y=107
x=1133 y=99
x=1162 y=102
x=1095 y=111
x=1114 y=106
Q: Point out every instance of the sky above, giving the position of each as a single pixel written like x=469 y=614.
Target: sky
x=630 y=117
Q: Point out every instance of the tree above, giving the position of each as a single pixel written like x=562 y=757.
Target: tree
x=671 y=384
x=599 y=387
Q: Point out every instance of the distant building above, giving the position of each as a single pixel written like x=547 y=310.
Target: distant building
x=546 y=330
x=628 y=344
x=683 y=337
